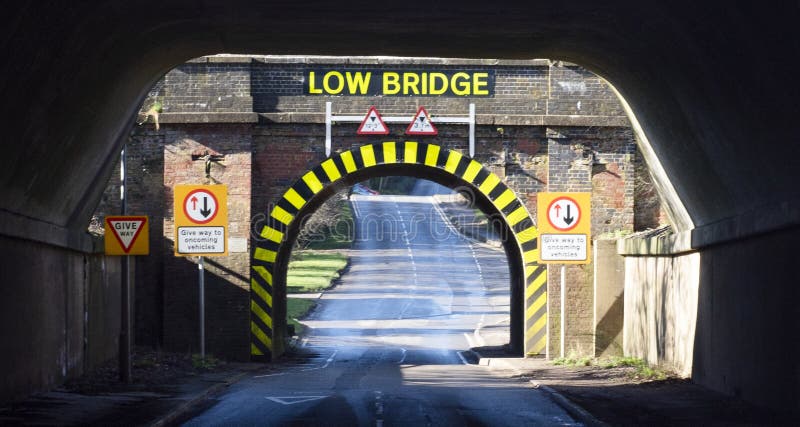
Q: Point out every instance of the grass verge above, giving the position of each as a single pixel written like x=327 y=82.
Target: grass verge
x=297 y=308
x=313 y=271
x=641 y=370
x=310 y=271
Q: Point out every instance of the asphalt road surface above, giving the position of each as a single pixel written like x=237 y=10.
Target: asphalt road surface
x=388 y=346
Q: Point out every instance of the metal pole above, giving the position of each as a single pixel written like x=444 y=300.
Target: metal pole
x=328 y=142
x=472 y=130
x=202 y=277
x=563 y=307
x=125 y=321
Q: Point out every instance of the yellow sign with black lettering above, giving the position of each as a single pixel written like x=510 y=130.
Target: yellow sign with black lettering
x=379 y=82
x=565 y=226
x=201 y=220
x=127 y=235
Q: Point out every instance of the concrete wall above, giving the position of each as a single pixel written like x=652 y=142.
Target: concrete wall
x=609 y=302
x=725 y=315
x=59 y=314
x=748 y=320
x=661 y=310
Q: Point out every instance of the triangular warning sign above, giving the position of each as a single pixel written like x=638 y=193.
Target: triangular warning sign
x=422 y=125
x=125 y=229
x=373 y=124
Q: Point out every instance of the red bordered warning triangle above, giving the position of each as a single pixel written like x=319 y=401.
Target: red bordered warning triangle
x=373 y=124
x=125 y=229
x=421 y=125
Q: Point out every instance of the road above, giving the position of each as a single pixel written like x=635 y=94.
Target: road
x=388 y=345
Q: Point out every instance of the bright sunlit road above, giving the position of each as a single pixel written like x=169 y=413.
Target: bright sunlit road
x=388 y=345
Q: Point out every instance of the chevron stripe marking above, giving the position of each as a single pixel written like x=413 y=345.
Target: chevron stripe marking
x=264 y=338
x=331 y=170
x=504 y=199
x=472 y=171
x=432 y=155
x=452 y=161
x=368 y=155
x=264 y=255
x=348 y=162
x=271 y=234
x=313 y=182
x=260 y=313
x=489 y=184
x=518 y=215
x=264 y=274
x=389 y=152
x=281 y=215
x=294 y=198
x=261 y=293
x=410 y=152
x=530 y=311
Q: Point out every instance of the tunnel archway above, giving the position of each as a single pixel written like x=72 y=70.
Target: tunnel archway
x=272 y=247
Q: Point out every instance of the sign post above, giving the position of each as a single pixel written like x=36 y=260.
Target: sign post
x=201 y=229
x=564 y=221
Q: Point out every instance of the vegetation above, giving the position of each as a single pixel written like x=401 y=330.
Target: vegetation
x=641 y=370
x=314 y=271
x=297 y=308
x=330 y=227
x=393 y=185
x=310 y=271
x=207 y=363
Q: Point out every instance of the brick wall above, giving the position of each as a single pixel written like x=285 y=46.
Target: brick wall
x=547 y=128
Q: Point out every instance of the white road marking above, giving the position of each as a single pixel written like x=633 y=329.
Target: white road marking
x=291 y=400
x=378 y=409
x=470 y=341
x=403 y=359
x=463 y=360
x=327 y=363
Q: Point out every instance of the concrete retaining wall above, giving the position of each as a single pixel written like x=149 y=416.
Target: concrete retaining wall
x=609 y=292
x=59 y=316
x=725 y=315
x=661 y=310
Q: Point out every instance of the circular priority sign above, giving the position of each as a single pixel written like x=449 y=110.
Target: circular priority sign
x=200 y=206
x=564 y=213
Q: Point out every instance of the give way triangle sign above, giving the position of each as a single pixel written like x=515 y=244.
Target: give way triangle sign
x=373 y=124
x=126 y=235
x=421 y=125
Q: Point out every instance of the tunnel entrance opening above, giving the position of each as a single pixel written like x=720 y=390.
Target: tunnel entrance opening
x=423 y=275
x=272 y=248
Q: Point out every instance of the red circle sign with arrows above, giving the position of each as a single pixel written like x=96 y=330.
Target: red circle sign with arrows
x=564 y=213
x=200 y=206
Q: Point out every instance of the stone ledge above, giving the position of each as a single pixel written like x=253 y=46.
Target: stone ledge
x=176 y=118
x=30 y=229
x=480 y=119
x=665 y=245
x=373 y=60
x=765 y=220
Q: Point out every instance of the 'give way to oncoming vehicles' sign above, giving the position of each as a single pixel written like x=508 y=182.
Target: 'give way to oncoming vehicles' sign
x=201 y=220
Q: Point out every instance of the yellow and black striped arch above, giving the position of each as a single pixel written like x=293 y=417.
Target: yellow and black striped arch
x=268 y=280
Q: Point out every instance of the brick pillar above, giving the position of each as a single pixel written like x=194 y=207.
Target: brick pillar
x=227 y=278
x=570 y=169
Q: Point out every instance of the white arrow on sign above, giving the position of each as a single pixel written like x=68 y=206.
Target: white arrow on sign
x=291 y=400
